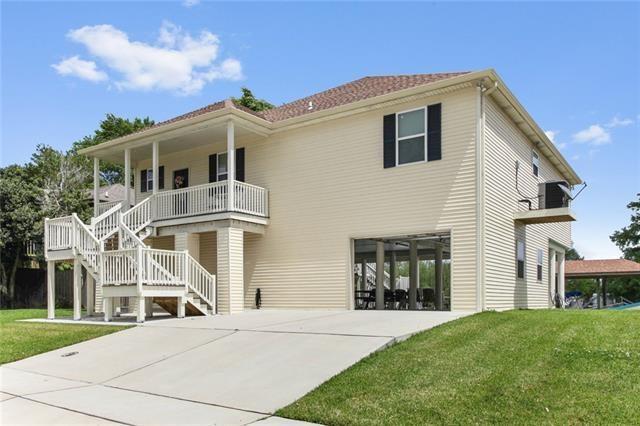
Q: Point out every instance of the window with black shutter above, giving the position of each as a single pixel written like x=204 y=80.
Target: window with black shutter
x=412 y=136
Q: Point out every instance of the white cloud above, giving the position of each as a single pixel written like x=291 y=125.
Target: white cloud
x=593 y=135
x=551 y=134
x=190 y=3
x=619 y=122
x=177 y=62
x=86 y=70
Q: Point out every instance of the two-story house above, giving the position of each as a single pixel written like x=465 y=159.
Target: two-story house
x=336 y=201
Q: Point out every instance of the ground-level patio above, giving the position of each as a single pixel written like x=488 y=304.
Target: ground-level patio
x=235 y=369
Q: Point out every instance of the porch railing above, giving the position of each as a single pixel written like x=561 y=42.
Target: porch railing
x=209 y=199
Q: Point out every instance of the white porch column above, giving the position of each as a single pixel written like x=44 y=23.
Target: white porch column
x=127 y=179
x=230 y=274
x=155 y=166
x=363 y=275
x=231 y=165
x=96 y=185
x=561 y=276
x=77 y=289
x=141 y=309
x=439 y=278
x=392 y=271
x=91 y=288
x=51 y=289
x=107 y=307
x=414 y=271
x=552 y=277
x=379 y=275
x=181 y=307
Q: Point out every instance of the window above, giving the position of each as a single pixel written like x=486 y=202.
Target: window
x=539 y=265
x=520 y=255
x=149 y=180
x=222 y=167
x=535 y=163
x=411 y=136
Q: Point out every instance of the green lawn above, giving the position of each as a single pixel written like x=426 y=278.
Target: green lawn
x=20 y=339
x=516 y=367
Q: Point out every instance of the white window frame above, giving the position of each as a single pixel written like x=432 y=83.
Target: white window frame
x=398 y=139
x=218 y=174
x=539 y=265
x=535 y=163
x=149 y=180
x=524 y=259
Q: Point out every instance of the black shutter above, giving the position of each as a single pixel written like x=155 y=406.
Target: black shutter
x=240 y=164
x=434 y=132
x=213 y=167
x=389 y=140
x=161 y=177
x=143 y=180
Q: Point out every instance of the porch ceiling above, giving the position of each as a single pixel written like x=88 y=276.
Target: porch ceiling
x=191 y=137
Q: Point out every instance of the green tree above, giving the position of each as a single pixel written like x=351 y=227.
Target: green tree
x=20 y=221
x=628 y=238
x=628 y=241
x=250 y=101
x=111 y=127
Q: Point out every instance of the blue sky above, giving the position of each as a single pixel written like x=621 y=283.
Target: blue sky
x=575 y=67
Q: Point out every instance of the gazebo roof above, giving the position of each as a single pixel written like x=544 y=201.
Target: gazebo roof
x=598 y=268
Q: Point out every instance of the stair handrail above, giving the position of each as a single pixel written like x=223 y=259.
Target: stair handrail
x=126 y=234
x=200 y=281
x=140 y=215
x=108 y=220
x=85 y=242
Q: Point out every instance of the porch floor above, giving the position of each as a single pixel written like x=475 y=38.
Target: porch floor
x=234 y=369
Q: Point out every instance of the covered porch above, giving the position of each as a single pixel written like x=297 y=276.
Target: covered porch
x=193 y=172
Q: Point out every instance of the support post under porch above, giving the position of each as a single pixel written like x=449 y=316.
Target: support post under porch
x=379 y=275
x=77 y=289
x=51 y=289
x=414 y=271
x=230 y=271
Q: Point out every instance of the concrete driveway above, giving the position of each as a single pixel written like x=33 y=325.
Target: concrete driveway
x=236 y=369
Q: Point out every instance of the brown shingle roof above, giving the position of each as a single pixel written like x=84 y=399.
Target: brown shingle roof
x=601 y=268
x=357 y=90
x=364 y=88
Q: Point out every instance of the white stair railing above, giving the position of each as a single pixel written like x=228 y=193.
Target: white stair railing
x=164 y=267
x=86 y=244
x=103 y=207
x=139 y=216
x=106 y=224
x=201 y=282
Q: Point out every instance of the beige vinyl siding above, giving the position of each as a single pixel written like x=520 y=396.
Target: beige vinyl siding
x=327 y=185
x=230 y=279
x=504 y=145
x=208 y=251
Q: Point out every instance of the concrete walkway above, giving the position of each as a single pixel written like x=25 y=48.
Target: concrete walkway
x=236 y=369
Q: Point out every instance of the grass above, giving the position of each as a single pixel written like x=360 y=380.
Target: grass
x=22 y=339
x=516 y=367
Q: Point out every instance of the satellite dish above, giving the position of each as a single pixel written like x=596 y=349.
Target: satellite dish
x=566 y=191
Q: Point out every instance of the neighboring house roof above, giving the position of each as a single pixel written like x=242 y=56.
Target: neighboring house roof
x=108 y=193
x=601 y=268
